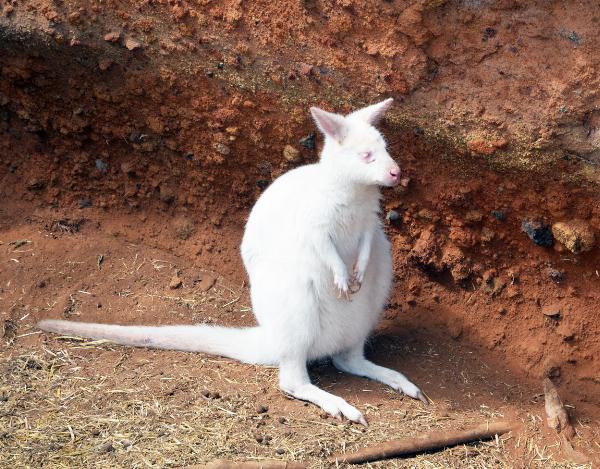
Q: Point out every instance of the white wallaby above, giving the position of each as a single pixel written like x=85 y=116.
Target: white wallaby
x=319 y=265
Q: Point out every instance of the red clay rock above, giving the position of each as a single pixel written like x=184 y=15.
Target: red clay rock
x=576 y=235
x=112 y=36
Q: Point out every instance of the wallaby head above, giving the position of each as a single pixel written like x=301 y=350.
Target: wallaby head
x=354 y=148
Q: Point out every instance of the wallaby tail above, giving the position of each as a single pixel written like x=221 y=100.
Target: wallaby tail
x=248 y=345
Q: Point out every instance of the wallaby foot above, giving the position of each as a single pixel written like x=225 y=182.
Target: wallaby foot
x=294 y=380
x=355 y=363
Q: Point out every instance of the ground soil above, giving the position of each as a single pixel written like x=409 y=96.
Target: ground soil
x=135 y=137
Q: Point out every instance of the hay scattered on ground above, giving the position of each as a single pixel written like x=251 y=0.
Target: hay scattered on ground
x=57 y=409
x=69 y=402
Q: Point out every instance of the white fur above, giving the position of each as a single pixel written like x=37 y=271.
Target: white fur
x=313 y=235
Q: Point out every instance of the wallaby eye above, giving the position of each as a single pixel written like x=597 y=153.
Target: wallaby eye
x=367 y=157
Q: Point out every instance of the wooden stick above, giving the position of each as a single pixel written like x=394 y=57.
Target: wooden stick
x=558 y=418
x=421 y=444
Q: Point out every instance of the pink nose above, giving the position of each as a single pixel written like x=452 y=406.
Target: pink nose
x=395 y=173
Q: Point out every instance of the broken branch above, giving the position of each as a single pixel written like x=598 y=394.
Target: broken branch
x=430 y=442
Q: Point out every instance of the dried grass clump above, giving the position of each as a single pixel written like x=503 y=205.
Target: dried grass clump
x=58 y=409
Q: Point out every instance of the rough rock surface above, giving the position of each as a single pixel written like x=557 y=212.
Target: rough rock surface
x=576 y=235
x=191 y=126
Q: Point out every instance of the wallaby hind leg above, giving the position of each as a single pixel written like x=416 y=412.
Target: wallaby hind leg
x=294 y=380
x=354 y=362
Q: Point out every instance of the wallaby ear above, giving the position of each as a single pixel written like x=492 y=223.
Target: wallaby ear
x=332 y=125
x=372 y=114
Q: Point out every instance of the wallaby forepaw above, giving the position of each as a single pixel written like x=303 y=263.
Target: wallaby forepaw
x=358 y=275
x=343 y=294
x=354 y=285
x=341 y=283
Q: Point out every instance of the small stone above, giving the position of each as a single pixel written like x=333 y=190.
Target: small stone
x=41 y=284
x=502 y=311
x=74 y=17
x=281 y=420
x=132 y=44
x=113 y=36
x=552 y=372
x=576 y=235
x=486 y=147
x=291 y=154
x=308 y=142
x=101 y=165
x=480 y=147
x=473 y=216
x=105 y=448
x=222 y=148
x=427 y=215
x=498 y=215
x=538 y=232
x=280 y=451
x=306 y=69
x=404 y=182
x=573 y=37
x=551 y=311
x=262 y=184
x=488 y=33
x=262 y=409
x=204 y=281
x=555 y=274
x=155 y=124
x=392 y=216
x=175 y=282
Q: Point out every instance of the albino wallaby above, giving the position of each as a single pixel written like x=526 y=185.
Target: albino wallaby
x=312 y=239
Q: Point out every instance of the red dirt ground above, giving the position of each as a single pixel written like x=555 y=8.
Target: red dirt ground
x=158 y=154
